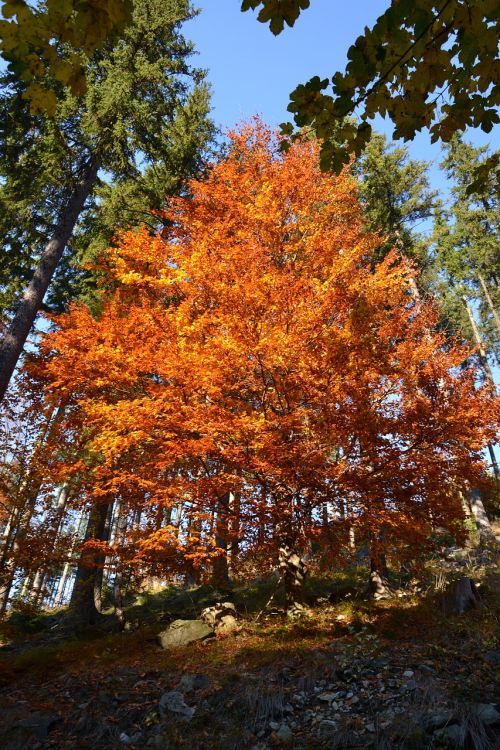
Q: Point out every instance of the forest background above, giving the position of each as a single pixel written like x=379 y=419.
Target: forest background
x=416 y=196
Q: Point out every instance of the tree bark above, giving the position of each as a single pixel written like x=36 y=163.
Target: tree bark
x=486 y=534
x=83 y=599
x=378 y=587
x=61 y=586
x=489 y=301
x=293 y=569
x=220 y=570
x=15 y=337
x=488 y=375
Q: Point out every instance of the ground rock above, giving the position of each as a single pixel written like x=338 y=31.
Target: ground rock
x=191 y=682
x=173 y=702
x=182 y=632
x=327 y=726
x=437 y=720
x=493 y=658
x=487 y=713
x=222 y=617
x=284 y=735
x=227 y=624
x=452 y=736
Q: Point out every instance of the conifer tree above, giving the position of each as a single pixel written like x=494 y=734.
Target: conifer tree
x=142 y=123
x=466 y=244
x=396 y=197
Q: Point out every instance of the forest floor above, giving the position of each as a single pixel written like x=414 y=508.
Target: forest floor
x=390 y=674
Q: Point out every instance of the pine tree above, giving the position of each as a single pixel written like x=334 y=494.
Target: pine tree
x=396 y=196
x=137 y=133
x=466 y=247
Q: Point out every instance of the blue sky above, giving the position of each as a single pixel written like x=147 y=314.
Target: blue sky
x=252 y=72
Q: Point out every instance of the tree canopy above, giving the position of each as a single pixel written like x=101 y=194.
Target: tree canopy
x=54 y=36
x=255 y=348
x=104 y=160
x=429 y=64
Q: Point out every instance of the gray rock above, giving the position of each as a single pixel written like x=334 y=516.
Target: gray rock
x=182 y=632
x=39 y=725
x=133 y=740
x=487 y=713
x=456 y=553
x=410 y=685
x=493 y=658
x=327 y=726
x=227 y=624
x=438 y=720
x=327 y=697
x=173 y=702
x=453 y=735
x=285 y=734
x=213 y=615
x=191 y=682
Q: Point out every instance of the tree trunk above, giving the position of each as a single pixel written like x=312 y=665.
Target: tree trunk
x=61 y=586
x=37 y=589
x=220 y=571
x=234 y=530
x=378 y=586
x=120 y=534
x=486 y=535
x=487 y=295
x=15 y=337
x=460 y=596
x=488 y=376
x=293 y=569
x=83 y=600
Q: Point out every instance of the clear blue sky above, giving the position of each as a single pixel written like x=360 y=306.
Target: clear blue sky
x=252 y=72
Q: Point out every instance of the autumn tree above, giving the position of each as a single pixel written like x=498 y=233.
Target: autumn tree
x=36 y=37
x=254 y=348
x=142 y=122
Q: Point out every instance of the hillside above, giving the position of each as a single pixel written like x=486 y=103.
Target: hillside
x=349 y=673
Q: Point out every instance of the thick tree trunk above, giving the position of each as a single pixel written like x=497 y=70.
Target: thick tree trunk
x=486 y=535
x=220 y=570
x=15 y=337
x=293 y=569
x=88 y=576
x=378 y=586
x=459 y=597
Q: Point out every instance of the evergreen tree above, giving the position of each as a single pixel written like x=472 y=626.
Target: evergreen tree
x=137 y=133
x=466 y=249
x=396 y=197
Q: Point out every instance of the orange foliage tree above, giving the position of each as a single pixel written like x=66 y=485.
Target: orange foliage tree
x=256 y=353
